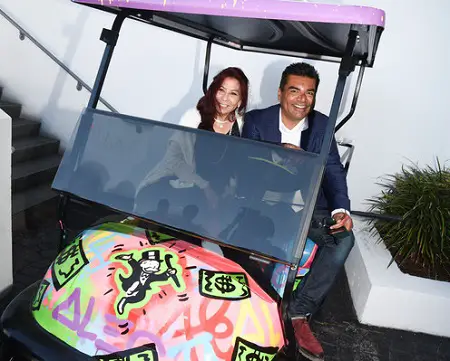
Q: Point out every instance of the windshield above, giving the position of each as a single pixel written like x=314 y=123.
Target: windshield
x=239 y=192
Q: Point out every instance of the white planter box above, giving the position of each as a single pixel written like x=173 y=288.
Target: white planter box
x=387 y=297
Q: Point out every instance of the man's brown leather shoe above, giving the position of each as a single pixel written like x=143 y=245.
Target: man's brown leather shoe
x=308 y=345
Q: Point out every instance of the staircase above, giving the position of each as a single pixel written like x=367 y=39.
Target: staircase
x=35 y=160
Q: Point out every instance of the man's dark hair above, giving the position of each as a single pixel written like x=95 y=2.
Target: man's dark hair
x=300 y=69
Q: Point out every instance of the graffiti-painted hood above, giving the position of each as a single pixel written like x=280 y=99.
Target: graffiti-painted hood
x=121 y=291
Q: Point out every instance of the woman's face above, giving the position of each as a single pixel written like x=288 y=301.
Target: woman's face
x=228 y=97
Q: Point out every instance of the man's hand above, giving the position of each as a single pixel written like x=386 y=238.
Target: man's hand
x=291 y=146
x=171 y=271
x=342 y=220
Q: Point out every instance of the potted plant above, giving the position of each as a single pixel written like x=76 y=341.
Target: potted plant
x=420 y=242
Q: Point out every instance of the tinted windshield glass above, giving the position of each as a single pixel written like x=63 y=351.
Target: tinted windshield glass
x=240 y=192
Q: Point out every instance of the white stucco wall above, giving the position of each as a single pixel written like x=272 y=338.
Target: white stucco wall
x=5 y=202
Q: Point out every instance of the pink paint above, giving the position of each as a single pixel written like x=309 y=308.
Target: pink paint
x=262 y=9
x=184 y=323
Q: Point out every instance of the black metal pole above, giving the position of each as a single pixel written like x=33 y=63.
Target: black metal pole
x=110 y=38
x=384 y=217
x=355 y=98
x=346 y=67
x=207 y=65
x=62 y=204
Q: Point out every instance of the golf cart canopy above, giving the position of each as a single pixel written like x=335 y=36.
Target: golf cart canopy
x=296 y=28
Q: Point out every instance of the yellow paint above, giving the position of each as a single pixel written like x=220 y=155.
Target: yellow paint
x=273 y=337
x=247 y=314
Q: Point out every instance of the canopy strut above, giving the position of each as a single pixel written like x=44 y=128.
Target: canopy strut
x=110 y=37
x=362 y=68
x=347 y=66
x=207 y=64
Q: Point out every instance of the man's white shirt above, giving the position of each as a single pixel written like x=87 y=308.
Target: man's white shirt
x=294 y=136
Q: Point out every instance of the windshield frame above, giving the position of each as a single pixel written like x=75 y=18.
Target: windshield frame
x=76 y=150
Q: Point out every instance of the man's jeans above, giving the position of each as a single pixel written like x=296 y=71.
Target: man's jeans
x=327 y=264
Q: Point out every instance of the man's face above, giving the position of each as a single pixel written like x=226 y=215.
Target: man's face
x=297 y=97
x=150 y=266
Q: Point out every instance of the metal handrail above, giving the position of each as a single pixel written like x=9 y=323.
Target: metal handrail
x=80 y=83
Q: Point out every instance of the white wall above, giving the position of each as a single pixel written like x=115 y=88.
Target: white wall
x=6 y=270
x=386 y=297
x=157 y=74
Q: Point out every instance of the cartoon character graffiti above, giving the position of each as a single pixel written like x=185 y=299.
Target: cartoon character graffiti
x=146 y=275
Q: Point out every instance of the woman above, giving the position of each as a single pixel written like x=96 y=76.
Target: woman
x=222 y=108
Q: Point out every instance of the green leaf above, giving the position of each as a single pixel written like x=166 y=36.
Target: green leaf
x=421 y=196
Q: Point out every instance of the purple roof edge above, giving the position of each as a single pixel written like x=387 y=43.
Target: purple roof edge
x=294 y=10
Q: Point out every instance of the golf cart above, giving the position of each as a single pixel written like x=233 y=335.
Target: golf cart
x=174 y=277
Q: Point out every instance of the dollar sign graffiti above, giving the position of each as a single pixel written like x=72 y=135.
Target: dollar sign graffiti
x=72 y=268
x=69 y=253
x=256 y=356
x=225 y=284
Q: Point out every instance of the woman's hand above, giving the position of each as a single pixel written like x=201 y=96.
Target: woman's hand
x=211 y=196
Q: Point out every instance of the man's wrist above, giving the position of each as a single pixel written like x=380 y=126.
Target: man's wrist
x=340 y=210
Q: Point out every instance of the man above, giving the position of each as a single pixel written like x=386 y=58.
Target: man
x=295 y=124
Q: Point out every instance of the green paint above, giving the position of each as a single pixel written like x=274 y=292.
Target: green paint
x=154 y=287
x=297 y=282
x=156 y=237
x=68 y=263
x=246 y=350
x=230 y=286
x=129 y=355
x=44 y=318
x=122 y=228
x=142 y=356
x=39 y=295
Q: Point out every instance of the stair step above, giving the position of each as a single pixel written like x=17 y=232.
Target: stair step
x=33 y=172
x=12 y=109
x=25 y=128
x=33 y=147
x=31 y=197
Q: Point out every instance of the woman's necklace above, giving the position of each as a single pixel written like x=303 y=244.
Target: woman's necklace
x=220 y=123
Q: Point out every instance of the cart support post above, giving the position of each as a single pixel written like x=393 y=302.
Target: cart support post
x=109 y=36
x=347 y=66
x=355 y=98
x=207 y=64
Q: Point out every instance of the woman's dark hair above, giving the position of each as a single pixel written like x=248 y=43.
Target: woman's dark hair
x=207 y=104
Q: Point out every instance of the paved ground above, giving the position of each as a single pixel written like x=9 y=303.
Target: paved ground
x=336 y=326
